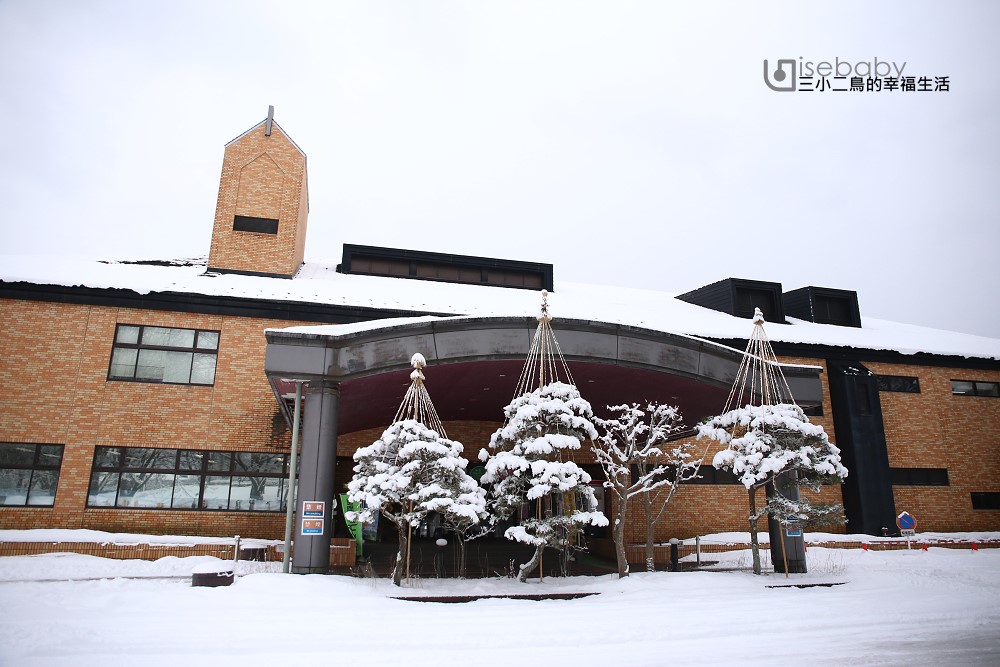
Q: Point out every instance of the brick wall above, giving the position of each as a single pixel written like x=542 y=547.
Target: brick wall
x=937 y=429
x=54 y=374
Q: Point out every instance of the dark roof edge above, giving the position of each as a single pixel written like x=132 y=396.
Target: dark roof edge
x=184 y=302
x=830 y=352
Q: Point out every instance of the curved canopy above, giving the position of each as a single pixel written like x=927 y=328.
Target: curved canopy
x=477 y=361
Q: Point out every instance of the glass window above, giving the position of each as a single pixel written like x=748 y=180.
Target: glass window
x=14 y=485
x=147 y=457
x=255 y=494
x=43 y=487
x=208 y=340
x=127 y=334
x=220 y=460
x=190 y=459
x=216 y=492
x=203 y=370
x=146 y=490
x=29 y=474
x=187 y=479
x=258 y=462
x=17 y=455
x=987 y=389
x=963 y=387
x=975 y=388
x=103 y=489
x=187 y=489
x=164 y=354
x=107 y=457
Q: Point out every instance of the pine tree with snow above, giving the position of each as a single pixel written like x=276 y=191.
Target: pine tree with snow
x=628 y=441
x=528 y=465
x=765 y=441
x=769 y=437
x=413 y=470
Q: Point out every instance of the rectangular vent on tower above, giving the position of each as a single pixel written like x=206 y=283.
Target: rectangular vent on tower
x=245 y=223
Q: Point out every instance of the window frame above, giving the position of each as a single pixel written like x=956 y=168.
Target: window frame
x=976 y=391
x=985 y=500
x=139 y=346
x=919 y=477
x=903 y=384
x=121 y=463
x=37 y=465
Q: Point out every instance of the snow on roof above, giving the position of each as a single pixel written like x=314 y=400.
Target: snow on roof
x=321 y=284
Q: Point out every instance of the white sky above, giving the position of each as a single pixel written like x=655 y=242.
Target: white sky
x=627 y=143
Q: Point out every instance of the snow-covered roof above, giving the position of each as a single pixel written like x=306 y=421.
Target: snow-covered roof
x=321 y=284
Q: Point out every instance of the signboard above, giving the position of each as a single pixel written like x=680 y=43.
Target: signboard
x=312 y=526
x=313 y=508
x=793 y=531
x=907 y=526
x=906 y=521
x=353 y=526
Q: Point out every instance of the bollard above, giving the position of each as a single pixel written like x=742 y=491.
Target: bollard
x=674 y=555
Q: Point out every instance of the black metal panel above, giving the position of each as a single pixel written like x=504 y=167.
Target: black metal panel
x=738 y=297
x=480 y=266
x=246 y=223
x=824 y=305
x=857 y=418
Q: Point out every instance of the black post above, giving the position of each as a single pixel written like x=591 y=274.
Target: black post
x=675 y=560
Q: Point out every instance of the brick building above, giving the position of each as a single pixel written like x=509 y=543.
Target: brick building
x=154 y=396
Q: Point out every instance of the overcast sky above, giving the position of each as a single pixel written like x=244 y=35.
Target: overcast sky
x=627 y=143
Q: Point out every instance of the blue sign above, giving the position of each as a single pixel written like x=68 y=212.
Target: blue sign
x=905 y=521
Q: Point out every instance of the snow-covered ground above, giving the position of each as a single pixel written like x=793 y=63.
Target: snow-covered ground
x=937 y=607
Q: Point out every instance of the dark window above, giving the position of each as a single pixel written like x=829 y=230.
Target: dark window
x=711 y=475
x=832 y=309
x=379 y=266
x=986 y=501
x=29 y=474
x=975 y=388
x=919 y=476
x=899 y=383
x=144 y=477
x=162 y=354
x=748 y=298
x=813 y=410
x=246 y=223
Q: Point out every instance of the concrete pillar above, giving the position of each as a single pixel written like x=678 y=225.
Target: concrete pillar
x=311 y=554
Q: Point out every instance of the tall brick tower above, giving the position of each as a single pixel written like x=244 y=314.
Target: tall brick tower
x=260 y=219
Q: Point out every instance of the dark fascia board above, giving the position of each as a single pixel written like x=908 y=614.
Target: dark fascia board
x=351 y=250
x=813 y=291
x=184 y=302
x=830 y=352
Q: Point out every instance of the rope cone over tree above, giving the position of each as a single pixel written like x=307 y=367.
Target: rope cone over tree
x=527 y=461
x=413 y=470
x=770 y=438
